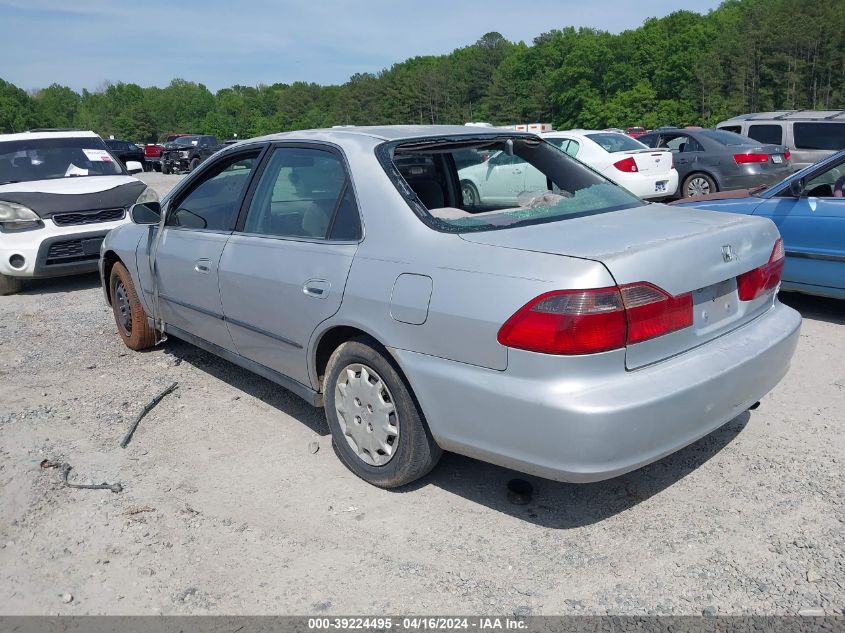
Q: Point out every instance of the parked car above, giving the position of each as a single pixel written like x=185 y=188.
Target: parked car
x=810 y=135
x=152 y=154
x=635 y=132
x=809 y=211
x=185 y=153
x=125 y=151
x=576 y=335
x=643 y=171
x=714 y=160
x=60 y=193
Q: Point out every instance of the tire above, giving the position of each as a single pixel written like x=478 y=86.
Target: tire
x=10 y=285
x=698 y=184
x=129 y=315
x=195 y=162
x=157 y=167
x=469 y=193
x=413 y=451
x=165 y=169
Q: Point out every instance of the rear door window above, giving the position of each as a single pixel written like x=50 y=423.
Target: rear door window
x=611 y=142
x=736 y=129
x=818 y=135
x=771 y=134
x=303 y=192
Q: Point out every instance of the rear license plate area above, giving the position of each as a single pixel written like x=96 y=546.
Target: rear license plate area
x=660 y=185
x=715 y=305
x=777 y=159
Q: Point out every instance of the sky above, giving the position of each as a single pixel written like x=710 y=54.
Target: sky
x=220 y=43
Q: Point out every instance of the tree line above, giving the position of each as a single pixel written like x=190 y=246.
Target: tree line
x=682 y=69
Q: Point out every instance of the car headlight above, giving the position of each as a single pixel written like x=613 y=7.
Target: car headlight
x=16 y=217
x=147 y=195
x=184 y=154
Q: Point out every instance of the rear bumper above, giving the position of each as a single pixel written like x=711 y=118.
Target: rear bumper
x=604 y=421
x=645 y=185
x=746 y=180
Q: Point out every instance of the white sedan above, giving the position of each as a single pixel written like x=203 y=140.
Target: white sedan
x=644 y=171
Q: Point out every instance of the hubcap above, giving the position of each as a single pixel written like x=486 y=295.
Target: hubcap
x=698 y=187
x=367 y=414
x=124 y=311
x=469 y=196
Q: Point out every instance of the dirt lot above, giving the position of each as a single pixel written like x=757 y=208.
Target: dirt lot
x=226 y=510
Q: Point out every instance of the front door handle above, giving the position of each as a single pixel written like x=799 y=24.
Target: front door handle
x=202 y=266
x=317 y=288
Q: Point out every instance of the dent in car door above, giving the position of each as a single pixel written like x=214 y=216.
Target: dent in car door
x=284 y=270
x=197 y=226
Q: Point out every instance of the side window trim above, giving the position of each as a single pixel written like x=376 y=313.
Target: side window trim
x=207 y=166
x=347 y=184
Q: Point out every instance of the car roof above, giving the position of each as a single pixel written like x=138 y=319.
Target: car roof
x=790 y=115
x=22 y=136
x=390 y=132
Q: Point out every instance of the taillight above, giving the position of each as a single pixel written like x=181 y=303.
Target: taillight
x=628 y=165
x=745 y=159
x=574 y=322
x=787 y=155
x=652 y=312
x=763 y=279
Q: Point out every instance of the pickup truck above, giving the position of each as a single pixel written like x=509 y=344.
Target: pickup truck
x=185 y=153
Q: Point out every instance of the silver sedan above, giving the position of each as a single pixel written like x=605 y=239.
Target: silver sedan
x=561 y=326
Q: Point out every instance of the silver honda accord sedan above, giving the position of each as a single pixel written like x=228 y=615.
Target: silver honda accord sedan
x=561 y=326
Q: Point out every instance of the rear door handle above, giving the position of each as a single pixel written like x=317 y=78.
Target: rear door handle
x=202 y=266
x=317 y=288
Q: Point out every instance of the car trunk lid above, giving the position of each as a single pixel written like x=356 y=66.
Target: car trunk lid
x=648 y=161
x=679 y=250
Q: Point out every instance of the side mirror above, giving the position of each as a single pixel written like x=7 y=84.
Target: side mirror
x=796 y=188
x=146 y=213
x=134 y=167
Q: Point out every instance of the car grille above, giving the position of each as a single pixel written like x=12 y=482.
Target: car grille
x=89 y=217
x=74 y=251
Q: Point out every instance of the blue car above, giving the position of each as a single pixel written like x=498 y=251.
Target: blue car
x=809 y=210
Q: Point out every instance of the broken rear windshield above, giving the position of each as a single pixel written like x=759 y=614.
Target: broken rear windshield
x=481 y=184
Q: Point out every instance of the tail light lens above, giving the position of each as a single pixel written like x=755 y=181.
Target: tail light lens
x=628 y=165
x=763 y=279
x=745 y=159
x=575 y=322
x=787 y=155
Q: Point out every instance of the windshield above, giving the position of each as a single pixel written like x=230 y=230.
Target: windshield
x=49 y=158
x=727 y=138
x=494 y=183
x=186 y=141
x=611 y=142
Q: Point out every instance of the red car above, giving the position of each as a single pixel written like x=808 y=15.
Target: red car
x=634 y=132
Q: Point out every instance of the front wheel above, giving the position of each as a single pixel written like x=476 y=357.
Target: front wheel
x=469 y=193
x=129 y=315
x=10 y=285
x=165 y=169
x=378 y=431
x=698 y=185
x=195 y=162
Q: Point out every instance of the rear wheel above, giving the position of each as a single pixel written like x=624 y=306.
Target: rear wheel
x=195 y=162
x=377 y=428
x=10 y=285
x=698 y=185
x=129 y=314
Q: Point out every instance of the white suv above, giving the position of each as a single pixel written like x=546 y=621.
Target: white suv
x=60 y=193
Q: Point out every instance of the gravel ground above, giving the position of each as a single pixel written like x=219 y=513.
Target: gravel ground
x=225 y=509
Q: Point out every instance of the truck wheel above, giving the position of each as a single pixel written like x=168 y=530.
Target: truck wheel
x=157 y=166
x=195 y=162
x=129 y=315
x=165 y=169
x=10 y=285
x=378 y=431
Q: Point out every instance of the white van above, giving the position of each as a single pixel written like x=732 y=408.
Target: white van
x=810 y=135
